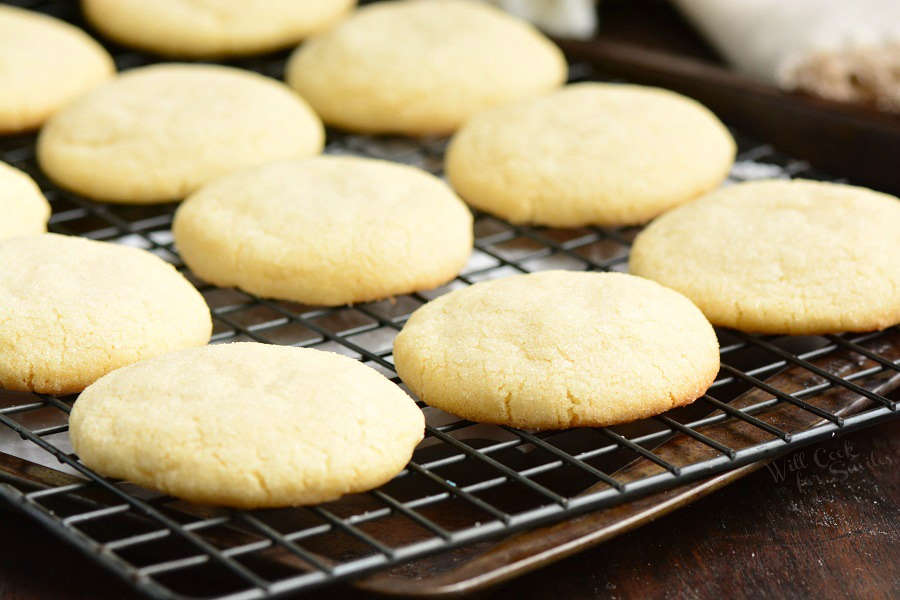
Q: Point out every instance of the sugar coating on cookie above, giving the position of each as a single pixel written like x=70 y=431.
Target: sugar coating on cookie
x=422 y=66
x=589 y=154
x=73 y=309
x=327 y=230
x=158 y=133
x=212 y=28
x=247 y=425
x=46 y=63
x=23 y=208
x=781 y=257
x=558 y=349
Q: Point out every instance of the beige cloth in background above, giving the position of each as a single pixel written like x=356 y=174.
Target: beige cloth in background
x=839 y=49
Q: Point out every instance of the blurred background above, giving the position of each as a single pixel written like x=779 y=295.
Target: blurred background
x=818 y=79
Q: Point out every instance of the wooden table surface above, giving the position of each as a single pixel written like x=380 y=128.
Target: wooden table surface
x=822 y=523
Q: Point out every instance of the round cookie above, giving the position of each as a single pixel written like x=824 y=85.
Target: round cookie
x=421 y=67
x=212 y=28
x=328 y=230
x=73 y=309
x=46 y=63
x=589 y=154
x=23 y=207
x=781 y=257
x=158 y=133
x=558 y=349
x=247 y=425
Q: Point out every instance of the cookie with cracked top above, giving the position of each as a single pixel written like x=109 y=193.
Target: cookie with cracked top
x=156 y=134
x=781 y=257
x=247 y=425
x=73 y=309
x=422 y=67
x=327 y=230
x=558 y=349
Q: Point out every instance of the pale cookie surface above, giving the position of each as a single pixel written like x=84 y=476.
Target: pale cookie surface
x=73 y=309
x=558 y=349
x=44 y=64
x=210 y=28
x=422 y=66
x=589 y=154
x=23 y=208
x=781 y=257
x=158 y=133
x=327 y=230
x=247 y=425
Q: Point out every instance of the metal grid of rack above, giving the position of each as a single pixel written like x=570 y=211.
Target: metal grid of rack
x=466 y=481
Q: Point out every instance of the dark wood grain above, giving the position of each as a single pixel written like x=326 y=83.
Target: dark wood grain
x=813 y=533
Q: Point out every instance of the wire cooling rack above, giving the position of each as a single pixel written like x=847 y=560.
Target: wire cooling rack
x=466 y=481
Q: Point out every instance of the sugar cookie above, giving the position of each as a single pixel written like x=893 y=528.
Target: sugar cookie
x=589 y=154
x=46 y=63
x=327 y=230
x=422 y=66
x=158 y=133
x=72 y=309
x=793 y=257
x=558 y=349
x=23 y=207
x=212 y=28
x=247 y=425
